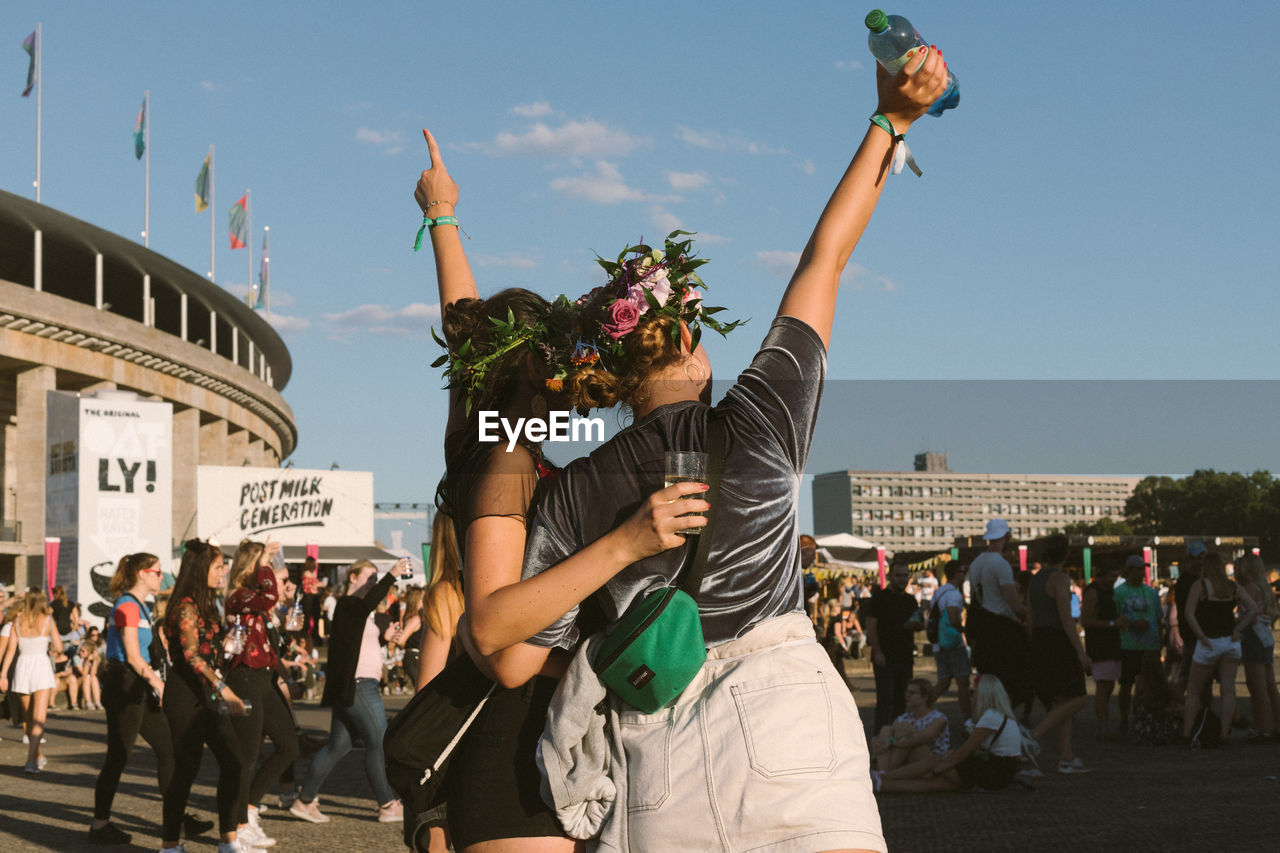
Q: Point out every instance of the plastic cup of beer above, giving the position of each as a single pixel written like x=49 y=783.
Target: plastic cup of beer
x=686 y=466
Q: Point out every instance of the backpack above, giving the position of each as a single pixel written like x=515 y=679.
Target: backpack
x=934 y=624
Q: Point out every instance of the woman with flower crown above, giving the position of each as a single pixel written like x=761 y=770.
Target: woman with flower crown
x=764 y=749
x=501 y=354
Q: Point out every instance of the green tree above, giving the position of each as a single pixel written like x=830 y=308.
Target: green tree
x=1102 y=527
x=1211 y=503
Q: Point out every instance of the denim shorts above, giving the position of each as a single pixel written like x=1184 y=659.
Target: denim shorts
x=1219 y=648
x=764 y=751
x=953 y=663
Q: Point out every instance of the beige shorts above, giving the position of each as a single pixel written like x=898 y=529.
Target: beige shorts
x=764 y=751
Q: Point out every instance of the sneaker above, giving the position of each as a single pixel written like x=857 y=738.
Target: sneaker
x=179 y=849
x=109 y=834
x=31 y=767
x=235 y=847
x=1073 y=766
x=251 y=836
x=193 y=826
x=26 y=740
x=1031 y=773
x=288 y=798
x=308 y=811
x=392 y=812
x=41 y=762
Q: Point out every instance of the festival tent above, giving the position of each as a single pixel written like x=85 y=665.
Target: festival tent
x=844 y=550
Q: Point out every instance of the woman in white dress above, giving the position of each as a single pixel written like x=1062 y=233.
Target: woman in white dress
x=33 y=679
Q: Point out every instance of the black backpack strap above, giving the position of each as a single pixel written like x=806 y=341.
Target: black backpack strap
x=717 y=431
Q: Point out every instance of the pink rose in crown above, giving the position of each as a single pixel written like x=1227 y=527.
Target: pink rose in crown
x=623 y=317
x=690 y=295
x=656 y=283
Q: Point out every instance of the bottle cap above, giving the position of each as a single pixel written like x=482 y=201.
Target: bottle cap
x=877 y=21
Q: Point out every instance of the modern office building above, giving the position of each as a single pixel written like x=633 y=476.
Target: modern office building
x=89 y=315
x=925 y=509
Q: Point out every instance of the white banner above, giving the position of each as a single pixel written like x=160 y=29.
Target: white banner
x=291 y=506
x=109 y=489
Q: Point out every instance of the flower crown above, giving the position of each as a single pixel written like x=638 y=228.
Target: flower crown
x=644 y=283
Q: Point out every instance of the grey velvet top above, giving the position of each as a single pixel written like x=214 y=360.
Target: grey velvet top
x=753 y=569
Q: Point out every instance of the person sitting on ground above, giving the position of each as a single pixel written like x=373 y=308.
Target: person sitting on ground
x=988 y=759
x=1154 y=721
x=920 y=732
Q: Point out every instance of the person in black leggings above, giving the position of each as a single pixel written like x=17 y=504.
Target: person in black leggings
x=132 y=688
x=192 y=692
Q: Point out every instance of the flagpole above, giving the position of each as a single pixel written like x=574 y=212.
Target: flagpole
x=146 y=193
x=266 y=260
x=213 y=212
x=39 y=97
x=248 y=213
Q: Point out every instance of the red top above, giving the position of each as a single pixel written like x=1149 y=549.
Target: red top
x=127 y=614
x=253 y=604
x=310 y=582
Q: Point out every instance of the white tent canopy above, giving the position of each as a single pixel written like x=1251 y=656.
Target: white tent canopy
x=846 y=550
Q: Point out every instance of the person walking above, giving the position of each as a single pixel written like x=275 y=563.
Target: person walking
x=949 y=653
x=1139 y=611
x=33 y=679
x=351 y=690
x=193 y=695
x=1102 y=629
x=891 y=631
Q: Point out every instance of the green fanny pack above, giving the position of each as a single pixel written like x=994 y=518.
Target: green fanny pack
x=652 y=653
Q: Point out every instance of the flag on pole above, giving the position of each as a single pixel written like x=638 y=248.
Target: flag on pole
x=140 y=131
x=264 y=273
x=236 y=223
x=202 y=186
x=29 y=45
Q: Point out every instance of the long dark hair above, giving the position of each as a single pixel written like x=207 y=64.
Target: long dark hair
x=193 y=583
x=469 y=320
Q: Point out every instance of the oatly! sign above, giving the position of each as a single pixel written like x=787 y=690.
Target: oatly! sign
x=289 y=506
x=108 y=488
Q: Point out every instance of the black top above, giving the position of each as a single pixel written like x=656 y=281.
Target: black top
x=344 y=642
x=1181 y=590
x=1217 y=618
x=1103 y=644
x=61 y=616
x=892 y=610
x=753 y=570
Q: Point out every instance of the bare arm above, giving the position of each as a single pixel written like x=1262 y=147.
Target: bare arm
x=1249 y=610
x=133 y=655
x=1010 y=593
x=1060 y=589
x=811 y=294
x=1193 y=600
x=970 y=746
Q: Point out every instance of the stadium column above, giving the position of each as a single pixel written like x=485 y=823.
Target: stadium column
x=32 y=409
x=257 y=456
x=237 y=447
x=213 y=443
x=186 y=458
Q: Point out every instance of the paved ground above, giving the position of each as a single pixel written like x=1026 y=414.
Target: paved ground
x=1137 y=799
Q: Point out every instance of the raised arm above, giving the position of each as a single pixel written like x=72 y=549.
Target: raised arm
x=811 y=294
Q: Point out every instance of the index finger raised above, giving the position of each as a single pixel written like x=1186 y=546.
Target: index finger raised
x=432 y=149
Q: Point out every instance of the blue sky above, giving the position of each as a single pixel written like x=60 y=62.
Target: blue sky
x=1097 y=207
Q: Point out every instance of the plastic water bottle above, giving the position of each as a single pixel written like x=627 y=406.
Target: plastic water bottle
x=890 y=39
x=225 y=710
x=234 y=642
x=294 y=620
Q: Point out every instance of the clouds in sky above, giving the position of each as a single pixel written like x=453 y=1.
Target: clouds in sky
x=683 y=181
x=604 y=185
x=713 y=140
x=511 y=260
x=574 y=138
x=537 y=109
x=388 y=141
x=413 y=319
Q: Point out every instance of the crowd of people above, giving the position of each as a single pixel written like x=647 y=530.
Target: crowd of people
x=1038 y=634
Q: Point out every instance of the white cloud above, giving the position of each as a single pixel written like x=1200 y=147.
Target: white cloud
x=511 y=260
x=715 y=141
x=286 y=324
x=683 y=181
x=537 y=109
x=706 y=238
x=390 y=141
x=807 y=166
x=279 y=298
x=412 y=319
x=208 y=85
x=604 y=186
x=664 y=220
x=848 y=64
x=572 y=139
x=778 y=262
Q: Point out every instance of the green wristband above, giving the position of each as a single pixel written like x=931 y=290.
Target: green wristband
x=428 y=222
x=887 y=126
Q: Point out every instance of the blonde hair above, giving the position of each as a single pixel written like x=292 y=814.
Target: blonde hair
x=443 y=599
x=1254 y=573
x=353 y=572
x=990 y=695
x=34 y=605
x=243 y=563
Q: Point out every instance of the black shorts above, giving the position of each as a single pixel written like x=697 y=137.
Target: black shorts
x=494 y=782
x=1131 y=663
x=1055 y=667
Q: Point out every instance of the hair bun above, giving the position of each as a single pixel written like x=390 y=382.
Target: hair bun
x=462 y=320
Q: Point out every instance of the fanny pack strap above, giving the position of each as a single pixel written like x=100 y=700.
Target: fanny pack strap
x=716 y=433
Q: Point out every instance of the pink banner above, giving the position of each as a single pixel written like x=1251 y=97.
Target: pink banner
x=1022 y=557
x=313 y=551
x=880 y=564
x=51 y=546
x=1146 y=558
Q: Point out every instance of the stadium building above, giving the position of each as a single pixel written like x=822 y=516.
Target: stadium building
x=114 y=326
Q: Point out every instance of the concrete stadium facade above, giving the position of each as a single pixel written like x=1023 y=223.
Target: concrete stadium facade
x=82 y=310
